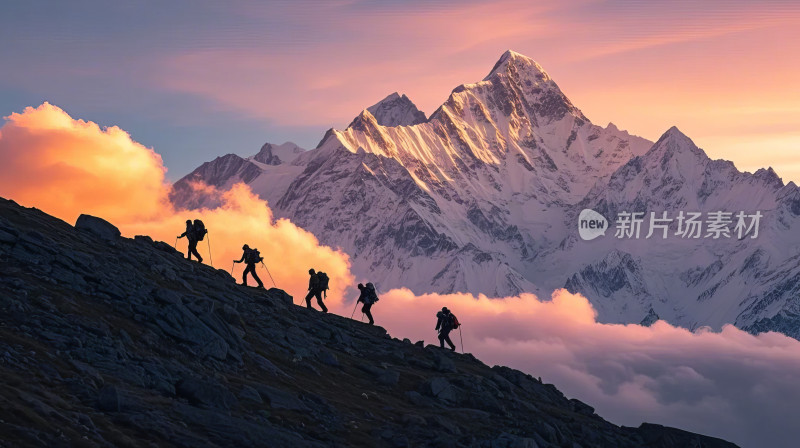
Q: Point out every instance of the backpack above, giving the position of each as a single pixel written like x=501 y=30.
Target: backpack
x=199 y=230
x=449 y=320
x=323 y=280
x=253 y=257
x=372 y=294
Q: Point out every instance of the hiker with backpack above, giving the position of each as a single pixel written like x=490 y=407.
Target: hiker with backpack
x=369 y=296
x=194 y=233
x=250 y=257
x=445 y=323
x=317 y=285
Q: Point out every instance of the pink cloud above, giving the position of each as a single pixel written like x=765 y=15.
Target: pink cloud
x=728 y=384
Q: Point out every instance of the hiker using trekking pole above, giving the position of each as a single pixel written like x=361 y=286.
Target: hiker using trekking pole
x=317 y=285
x=369 y=296
x=192 y=234
x=250 y=257
x=445 y=323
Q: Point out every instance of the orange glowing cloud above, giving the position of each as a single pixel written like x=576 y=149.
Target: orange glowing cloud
x=67 y=167
x=243 y=218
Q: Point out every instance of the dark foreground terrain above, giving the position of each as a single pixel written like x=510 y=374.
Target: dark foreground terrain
x=109 y=341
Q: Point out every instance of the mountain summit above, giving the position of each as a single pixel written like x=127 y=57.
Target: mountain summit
x=513 y=59
x=396 y=110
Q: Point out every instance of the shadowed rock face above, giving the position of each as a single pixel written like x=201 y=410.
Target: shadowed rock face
x=122 y=342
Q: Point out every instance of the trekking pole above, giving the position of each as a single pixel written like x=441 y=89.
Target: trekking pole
x=175 y=246
x=354 y=310
x=232 y=265
x=209 y=249
x=462 y=339
x=270 y=275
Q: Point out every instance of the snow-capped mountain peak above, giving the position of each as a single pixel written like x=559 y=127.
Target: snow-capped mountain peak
x=396 y=110
x=519 y=62
x=271 y=154
x=678 y=146
x=517 y=117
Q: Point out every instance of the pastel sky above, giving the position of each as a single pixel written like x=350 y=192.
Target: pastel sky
x=198 y=79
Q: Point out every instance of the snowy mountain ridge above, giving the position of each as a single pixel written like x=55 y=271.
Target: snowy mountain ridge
x=483 y=197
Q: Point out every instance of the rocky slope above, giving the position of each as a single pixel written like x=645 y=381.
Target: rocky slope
x=108 y=341
x=483 y=197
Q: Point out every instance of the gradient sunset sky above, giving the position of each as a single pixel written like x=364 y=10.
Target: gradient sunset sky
x=198 y=79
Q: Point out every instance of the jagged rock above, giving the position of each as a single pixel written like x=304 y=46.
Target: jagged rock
x=650 y=319
x=441 y=389
x=581 y=407
x=445 y=364
x=436 y=385
x=281 y=295
x=97 y=226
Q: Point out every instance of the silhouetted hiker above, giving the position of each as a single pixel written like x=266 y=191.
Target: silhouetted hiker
x=445 y=323
x=369 y=296
x=192 y=236
x=250 y=257
x=317 y=284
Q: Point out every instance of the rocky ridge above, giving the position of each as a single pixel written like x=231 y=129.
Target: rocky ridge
x=109 y=341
